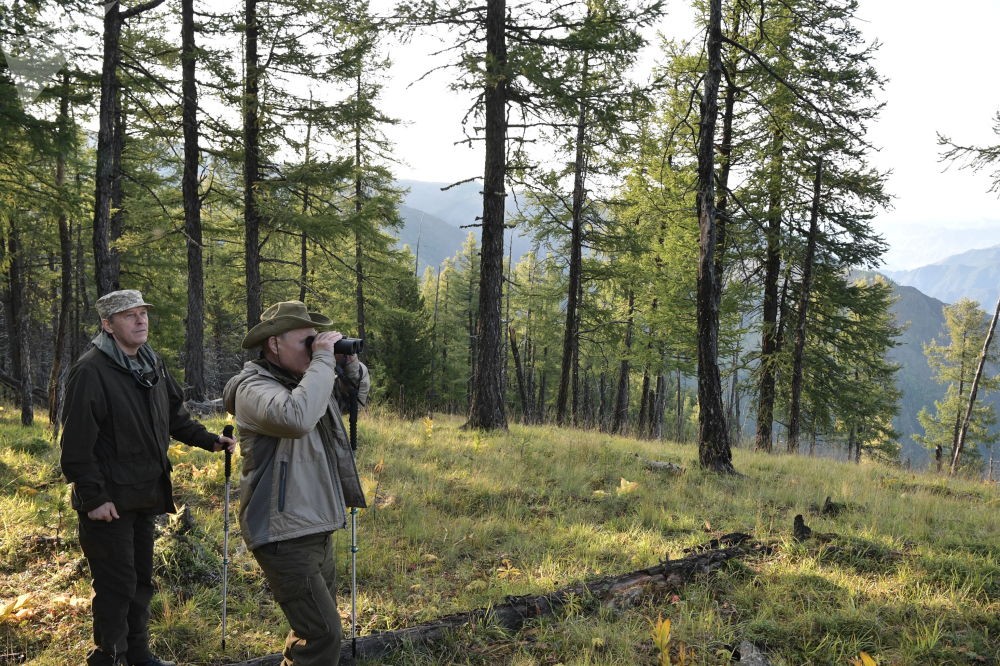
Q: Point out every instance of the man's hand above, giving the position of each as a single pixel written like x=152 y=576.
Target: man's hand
x=227 y=443
x=326 y=340
x=106 y=512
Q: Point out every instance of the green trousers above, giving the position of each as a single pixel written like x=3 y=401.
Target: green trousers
x=303 y=580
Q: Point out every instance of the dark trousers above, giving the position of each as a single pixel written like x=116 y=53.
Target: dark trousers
x=303 y=580
x=120 y=555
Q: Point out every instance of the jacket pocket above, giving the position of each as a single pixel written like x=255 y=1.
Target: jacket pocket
x=135 y=485
x=282 y=484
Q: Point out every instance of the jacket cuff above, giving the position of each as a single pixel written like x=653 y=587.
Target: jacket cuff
x=92 y=501
x=207 y=441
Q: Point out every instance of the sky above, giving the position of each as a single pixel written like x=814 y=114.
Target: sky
x=939 y=61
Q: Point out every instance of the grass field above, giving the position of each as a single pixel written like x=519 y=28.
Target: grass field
x=908 y=572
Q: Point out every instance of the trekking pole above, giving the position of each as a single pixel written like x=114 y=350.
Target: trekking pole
x=226 y=432
x=353 y=413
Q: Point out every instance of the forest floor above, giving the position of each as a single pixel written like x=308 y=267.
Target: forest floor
x=900 y=567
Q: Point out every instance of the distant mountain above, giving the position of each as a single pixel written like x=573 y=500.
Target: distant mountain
x=440 y=220
x=430 y=239
x=460 y=205
x=922 y=244
x=973 y=274
x=923 y=320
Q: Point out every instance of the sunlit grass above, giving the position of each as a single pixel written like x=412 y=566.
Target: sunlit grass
x=908 y=570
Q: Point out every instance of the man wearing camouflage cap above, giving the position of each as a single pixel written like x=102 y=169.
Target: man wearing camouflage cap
x=122 y=407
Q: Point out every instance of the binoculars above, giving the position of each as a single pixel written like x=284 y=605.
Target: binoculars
x=349 y=346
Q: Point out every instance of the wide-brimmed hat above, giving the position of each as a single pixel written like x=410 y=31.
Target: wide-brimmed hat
x=119 y=301
x=283 y=317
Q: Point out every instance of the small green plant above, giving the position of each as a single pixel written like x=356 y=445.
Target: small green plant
x=661 y=639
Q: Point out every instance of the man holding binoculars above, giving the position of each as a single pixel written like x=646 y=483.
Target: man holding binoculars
x=299 y=474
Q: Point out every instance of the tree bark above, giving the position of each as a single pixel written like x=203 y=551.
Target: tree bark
x=620 y=418
x=769 y=313
x=486 y=410
x=59 y=345
x=571 y=333
x=714 y=452
x=659 y=406
x=251 y=169
x=798 y=353
x=359 y=272
x=519 y=373
x=194 y=342
x=644 y=402
x=306 y=201
x=107 y=263
x=20 y=321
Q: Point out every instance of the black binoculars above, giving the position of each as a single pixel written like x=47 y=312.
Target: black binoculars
x=349 y=346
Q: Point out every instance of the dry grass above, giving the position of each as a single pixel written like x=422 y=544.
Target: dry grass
x=908 y=571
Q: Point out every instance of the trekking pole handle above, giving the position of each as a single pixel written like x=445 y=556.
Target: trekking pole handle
x=228 y=432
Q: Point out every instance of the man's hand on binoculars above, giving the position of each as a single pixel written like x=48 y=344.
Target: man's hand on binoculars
x=326 y=340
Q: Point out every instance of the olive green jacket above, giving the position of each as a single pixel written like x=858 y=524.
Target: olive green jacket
x=294 y=481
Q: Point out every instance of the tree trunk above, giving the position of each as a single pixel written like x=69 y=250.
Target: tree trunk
x=714 y=452
x=359 y=272
x=798 y=353
x=306 y=201
x=769 y=313
x=487 y=408
x=540 y=414
x=659 y=406
x=679 y=404
x=619 y=421
x=733 y=409
x=960 y=444
x=19 y=321
x=251 y=170
x=81 y=303
x=470 y=329
x=194 y=343
x=107 y=263
x=59 y=345
x=571 y=333
x=519 y=373
x=642 y=425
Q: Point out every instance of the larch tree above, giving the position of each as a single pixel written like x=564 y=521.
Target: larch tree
x=714 y=450
x=954 y=364
x=194 y=338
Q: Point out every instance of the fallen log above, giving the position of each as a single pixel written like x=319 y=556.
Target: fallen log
x=619 y=591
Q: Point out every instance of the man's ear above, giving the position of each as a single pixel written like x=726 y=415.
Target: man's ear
x=272 y=344
x=106 y=326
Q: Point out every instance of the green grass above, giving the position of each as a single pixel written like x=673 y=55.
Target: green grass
x=909 y=572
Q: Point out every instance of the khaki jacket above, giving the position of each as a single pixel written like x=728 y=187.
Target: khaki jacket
x=293 y=483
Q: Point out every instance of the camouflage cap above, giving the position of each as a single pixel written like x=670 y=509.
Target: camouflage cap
x=119 y=301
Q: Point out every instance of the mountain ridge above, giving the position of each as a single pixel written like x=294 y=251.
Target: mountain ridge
x=971 y=274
